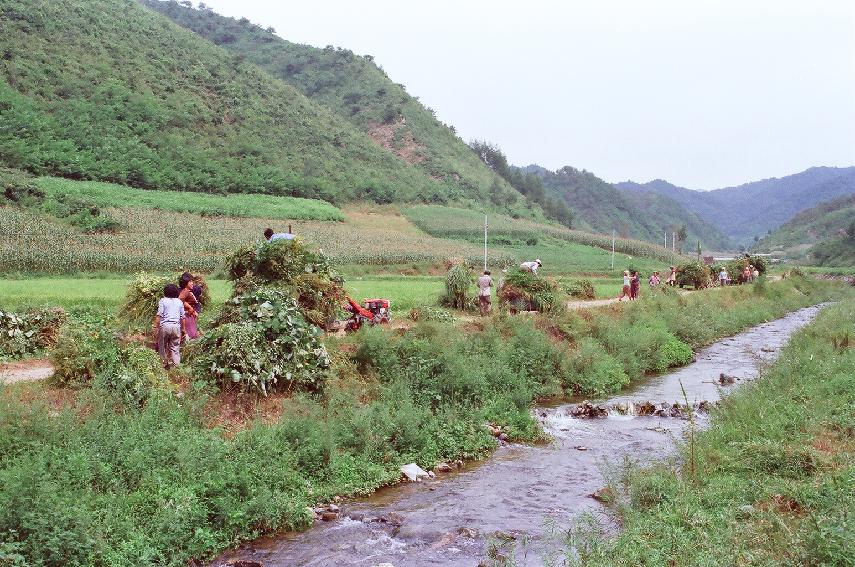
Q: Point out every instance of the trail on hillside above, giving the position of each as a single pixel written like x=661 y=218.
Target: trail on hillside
x=25 y=371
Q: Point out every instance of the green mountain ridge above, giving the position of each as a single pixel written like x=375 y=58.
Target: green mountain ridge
x=109 y=90
x=359 y=91
x=601 y=207
x=821 y=234
x=752 y=209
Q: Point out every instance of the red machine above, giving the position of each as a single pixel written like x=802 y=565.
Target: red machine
x=372 y=311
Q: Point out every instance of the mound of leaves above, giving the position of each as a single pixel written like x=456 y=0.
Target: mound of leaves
x=695 y=274
x=140 y=304
x=524 y=291
x=458 y=284
x=24 y=334
x=581 y=289
x=736 y=266
x=268 y=335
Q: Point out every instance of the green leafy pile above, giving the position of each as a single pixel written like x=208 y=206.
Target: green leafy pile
x=23 y=334
x=695 y=274
x=524 y=291
x=140 y=304
x=267 y=336
x=458 y=284
x=264 y=343
x=581 y=289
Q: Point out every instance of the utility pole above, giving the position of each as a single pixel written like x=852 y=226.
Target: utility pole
x=485 y=242
x=673 y=242
x=613 y=249
x=666 y=240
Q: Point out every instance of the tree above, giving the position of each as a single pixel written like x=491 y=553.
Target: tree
x=682 y=235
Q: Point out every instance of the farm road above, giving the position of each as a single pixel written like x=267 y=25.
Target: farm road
x=25 y=370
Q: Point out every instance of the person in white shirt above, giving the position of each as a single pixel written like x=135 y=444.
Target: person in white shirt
x=531 y=266
x=626 y=291
x=169 y=326
x=485 y=282
x=722 y=277
x=270 y=236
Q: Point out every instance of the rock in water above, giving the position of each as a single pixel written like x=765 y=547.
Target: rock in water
x=329 y=516
x=726 y=378
x=414 y=472
x=442 y=468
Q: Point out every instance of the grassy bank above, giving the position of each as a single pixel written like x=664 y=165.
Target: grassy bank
x=774 y=473
x=106 y=483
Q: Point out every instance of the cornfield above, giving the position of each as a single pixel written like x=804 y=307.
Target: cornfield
x=449 y=222
x=162 y=241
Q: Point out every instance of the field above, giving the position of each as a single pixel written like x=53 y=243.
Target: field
x=110 y=195
x=450 y=222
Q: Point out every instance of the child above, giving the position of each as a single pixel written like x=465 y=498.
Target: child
x=654 y=280
x=169 y=326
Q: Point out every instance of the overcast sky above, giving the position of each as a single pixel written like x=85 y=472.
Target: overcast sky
x=703 y=93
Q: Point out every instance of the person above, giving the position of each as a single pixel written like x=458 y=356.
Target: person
x=756 y=273
x=634 y=286
x=270 y=236
x=746 y=274
x=485 y=282
x=672 y=278
x=169 y=325
x=722 y=277
x=654 y=280
x=531 y=266
x=625 y=292
x=191 y=304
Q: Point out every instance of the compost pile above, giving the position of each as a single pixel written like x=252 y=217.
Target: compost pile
x=268 y=335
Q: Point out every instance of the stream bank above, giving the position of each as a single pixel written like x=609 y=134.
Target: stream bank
x=452 y=519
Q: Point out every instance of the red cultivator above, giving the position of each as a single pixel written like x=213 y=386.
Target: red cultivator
x=372 y=311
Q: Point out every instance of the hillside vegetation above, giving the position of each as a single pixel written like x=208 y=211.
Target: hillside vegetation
x=356 y=89
x=825 y=221
x=752 y=209
x=108 y=90
x=599 y=206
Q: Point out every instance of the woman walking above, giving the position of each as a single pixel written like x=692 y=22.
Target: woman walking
x=191 y=305
x=634 y=286
x=625 y=292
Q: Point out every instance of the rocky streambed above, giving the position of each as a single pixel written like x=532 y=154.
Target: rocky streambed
x=453 y=517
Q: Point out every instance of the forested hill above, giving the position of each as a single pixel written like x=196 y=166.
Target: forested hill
x=753 y=209
x=825 y=222
x=352 y=86
x=109 y=90
x=599 y=206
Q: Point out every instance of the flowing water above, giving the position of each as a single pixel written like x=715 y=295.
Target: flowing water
x=451 y=519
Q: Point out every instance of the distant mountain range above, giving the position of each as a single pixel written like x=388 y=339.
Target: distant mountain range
x=753 y=209
x=601 y=207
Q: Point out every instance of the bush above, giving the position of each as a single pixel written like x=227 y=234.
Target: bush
x=458 y=284
x=591 y=370
x=23 y=334
x=88 y=352
x=264 y=344
x=17 y=188
x=140 y=304
x=695 y=274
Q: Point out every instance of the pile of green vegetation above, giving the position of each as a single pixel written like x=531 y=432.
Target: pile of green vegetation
x=695 y=274
x=524 y=291
x=129 y=97
x=581 y=289
x=144 y=292
x=28 y=333
x=458 y=287
x=775 y=494
x=267 y=337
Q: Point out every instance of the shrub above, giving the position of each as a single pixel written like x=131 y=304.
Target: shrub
x=581 y=289
x=591 y=370
x=458 y=284
x=695 y=274
x=23 y=334
x=264 y=344
x=17 y=188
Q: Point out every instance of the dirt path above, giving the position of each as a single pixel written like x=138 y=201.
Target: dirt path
x=25 y=370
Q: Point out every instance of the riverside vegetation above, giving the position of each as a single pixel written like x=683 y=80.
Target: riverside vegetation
x=173 y=488
x=772 y=480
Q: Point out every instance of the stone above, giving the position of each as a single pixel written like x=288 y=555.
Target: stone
x=431 y=474
x=394 y=518
x=746 y=510
x=333 y=508
x=604 y=495
x=414 y=472
x=329 y=516
x=467 y=533
x=245 y=563
x=503 y=437
x=580 y=448
x=726 y=378
x=442 y=468
x=384 y=565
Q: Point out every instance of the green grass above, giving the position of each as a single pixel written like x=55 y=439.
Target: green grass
x=405 y=292
x=775 y=471
x=109 y=195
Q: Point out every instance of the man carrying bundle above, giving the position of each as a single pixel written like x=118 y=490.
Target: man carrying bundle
x=531 y=266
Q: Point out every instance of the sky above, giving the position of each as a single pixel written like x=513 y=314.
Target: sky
x=702 y=93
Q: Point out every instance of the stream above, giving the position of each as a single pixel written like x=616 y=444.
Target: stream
x=450 y=519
